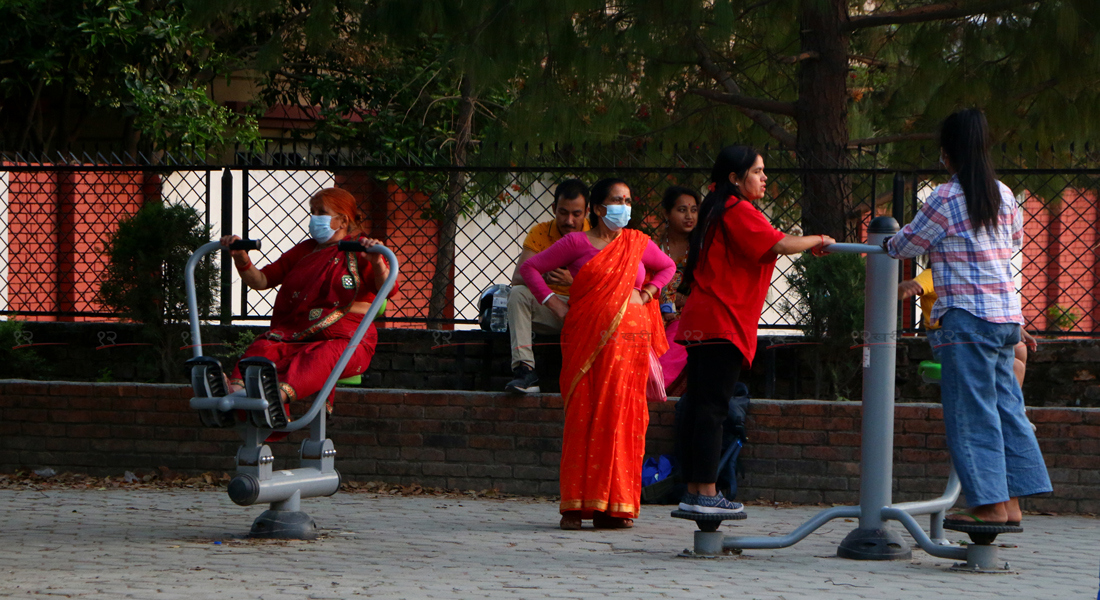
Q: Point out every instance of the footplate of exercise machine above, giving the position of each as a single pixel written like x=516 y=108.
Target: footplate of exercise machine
x=981 y=533
x=708 y=522
x=262 y=381
x=708 y=540
x=208 y=381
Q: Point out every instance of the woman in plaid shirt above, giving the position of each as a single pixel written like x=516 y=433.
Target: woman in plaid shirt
x=971 y=227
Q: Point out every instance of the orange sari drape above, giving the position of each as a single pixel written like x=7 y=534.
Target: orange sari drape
x=606 y=343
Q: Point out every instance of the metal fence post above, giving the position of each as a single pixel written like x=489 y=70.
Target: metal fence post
x=227 y=228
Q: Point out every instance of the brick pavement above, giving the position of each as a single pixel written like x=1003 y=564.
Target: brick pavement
x=160 y=544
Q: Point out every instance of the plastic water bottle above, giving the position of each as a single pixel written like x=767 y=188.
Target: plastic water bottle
x=498 y=321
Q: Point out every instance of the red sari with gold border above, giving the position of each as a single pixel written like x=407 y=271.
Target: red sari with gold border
x=606 y=343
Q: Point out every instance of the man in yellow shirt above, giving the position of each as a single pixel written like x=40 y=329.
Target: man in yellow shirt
x=525 y=313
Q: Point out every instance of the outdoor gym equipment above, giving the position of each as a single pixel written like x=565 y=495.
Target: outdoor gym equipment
x=873 y=539
x=256 y=481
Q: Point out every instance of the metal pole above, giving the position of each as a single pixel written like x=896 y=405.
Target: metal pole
x=873 y=540
x=227 y=262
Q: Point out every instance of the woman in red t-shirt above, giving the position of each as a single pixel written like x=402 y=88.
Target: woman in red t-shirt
x=730 y=263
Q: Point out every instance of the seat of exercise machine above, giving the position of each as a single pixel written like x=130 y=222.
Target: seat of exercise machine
x=929 y=371
x=707 y=521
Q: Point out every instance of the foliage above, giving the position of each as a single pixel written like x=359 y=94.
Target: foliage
x=19 y=363
x=233 y=349
x=144 y=279
x=830 y=309
x=1061 y=318
x=77 y=68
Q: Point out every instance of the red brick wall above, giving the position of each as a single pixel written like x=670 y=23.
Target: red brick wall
x=1060 y=258
x=800 y=451
x=58 y=224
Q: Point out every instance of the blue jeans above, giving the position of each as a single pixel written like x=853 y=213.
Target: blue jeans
x=992 y=445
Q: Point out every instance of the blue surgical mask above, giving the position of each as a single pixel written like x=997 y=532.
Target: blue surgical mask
x=320 y=228
x=618 y=215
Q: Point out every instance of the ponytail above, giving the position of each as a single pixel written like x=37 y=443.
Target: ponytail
x=735 y=160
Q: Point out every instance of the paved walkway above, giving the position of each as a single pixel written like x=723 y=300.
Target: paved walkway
x=163 y=544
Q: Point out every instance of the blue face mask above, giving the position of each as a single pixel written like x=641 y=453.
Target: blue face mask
x=320 y=229
x=617 y=217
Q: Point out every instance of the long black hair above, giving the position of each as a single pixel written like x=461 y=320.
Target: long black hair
x=964 y=138
x=600 y=191
x=732 y=159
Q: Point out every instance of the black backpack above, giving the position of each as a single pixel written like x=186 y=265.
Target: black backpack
x=734 y=437
x=733 y=441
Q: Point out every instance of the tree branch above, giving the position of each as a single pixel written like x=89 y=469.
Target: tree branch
x=868 y=60
x=758 y=116
x=933 y=12
x=674 y=123
x=890 y=139
x=743 y=101
x=1042 y=87
x=790 y=60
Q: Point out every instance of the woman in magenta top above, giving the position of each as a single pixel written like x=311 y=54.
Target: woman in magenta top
x=612 y=326
x=730 y=263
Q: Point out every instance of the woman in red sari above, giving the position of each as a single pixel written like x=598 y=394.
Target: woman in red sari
x=323 y=296
x=611 y=326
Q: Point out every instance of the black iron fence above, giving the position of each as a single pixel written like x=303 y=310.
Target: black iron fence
x=57 y=215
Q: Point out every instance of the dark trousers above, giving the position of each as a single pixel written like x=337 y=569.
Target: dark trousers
x=713 y=368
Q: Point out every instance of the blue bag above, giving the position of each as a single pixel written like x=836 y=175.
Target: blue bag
x=656 y=468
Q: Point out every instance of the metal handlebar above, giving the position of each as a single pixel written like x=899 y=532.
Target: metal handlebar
x=192 y=300
x=245 y=245
x=853 y=249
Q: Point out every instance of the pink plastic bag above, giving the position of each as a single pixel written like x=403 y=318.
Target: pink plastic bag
x=655 y=386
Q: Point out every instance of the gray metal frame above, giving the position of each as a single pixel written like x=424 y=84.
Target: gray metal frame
x=873 y=539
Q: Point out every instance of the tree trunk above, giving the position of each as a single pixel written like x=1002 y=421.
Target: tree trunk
x=442 y=296
x=822 y=115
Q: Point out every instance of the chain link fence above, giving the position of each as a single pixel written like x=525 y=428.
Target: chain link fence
x=57 y=214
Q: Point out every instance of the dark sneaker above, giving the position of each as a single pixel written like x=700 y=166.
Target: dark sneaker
x=526 y=381
x=688 y=500
x=713 y=505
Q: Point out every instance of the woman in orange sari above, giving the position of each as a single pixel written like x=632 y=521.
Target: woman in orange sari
x=611 y=326
x=323 y=296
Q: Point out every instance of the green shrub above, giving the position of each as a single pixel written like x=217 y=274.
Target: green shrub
x=1061 y=318
x=144 y=279
x=831 y=291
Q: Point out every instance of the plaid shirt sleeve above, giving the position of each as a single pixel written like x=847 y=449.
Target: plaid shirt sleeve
x=922 y=233
x=1017 y=228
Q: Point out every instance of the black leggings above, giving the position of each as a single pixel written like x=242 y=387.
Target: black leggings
x=713 y=368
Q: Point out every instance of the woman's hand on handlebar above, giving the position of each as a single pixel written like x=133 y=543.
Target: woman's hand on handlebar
x=240 y=256
x=376 y=259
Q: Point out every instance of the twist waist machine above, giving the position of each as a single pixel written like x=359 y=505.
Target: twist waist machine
x=873 y=539
x=256 y=481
